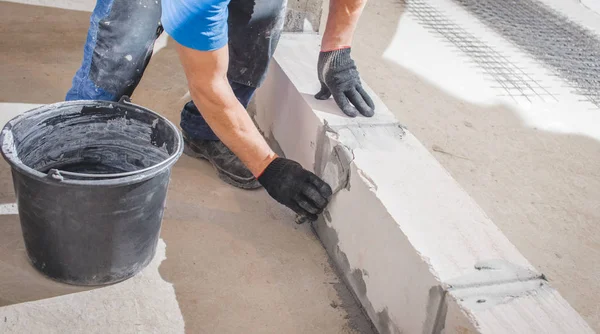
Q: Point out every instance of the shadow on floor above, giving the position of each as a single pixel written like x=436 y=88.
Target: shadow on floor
x=19 y=281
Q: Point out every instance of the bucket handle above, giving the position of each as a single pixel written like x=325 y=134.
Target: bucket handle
x=54 y=174
x=125 y=99
x=59 y=175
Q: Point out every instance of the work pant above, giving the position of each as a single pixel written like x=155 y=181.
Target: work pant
x=121 y=38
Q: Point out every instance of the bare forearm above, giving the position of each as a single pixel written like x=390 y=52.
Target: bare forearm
x=341 y=23
x=223 y=112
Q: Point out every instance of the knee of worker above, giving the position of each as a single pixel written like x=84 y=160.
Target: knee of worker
x=124 y=44
x=84 y=89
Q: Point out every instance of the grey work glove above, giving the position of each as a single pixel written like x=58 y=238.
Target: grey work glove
x=295 y=187
x=339 y=76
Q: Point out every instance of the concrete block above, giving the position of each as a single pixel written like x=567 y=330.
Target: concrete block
x=514 y=307
x=417 y=251
x=504 y=298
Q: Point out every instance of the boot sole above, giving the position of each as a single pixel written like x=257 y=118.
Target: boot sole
x=223 y=175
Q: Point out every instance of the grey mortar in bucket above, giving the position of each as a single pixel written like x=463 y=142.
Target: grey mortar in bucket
x=91 y=181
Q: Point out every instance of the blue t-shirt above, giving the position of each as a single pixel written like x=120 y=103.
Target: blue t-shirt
x=196 y=24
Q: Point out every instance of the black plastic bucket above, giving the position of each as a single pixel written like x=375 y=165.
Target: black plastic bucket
x=91 y=181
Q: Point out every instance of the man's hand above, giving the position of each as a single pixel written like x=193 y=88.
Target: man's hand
x=339 y=76
x=285 y=180
x=295 y=187
x=336 y=69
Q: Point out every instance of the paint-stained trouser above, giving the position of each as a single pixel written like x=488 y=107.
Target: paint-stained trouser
x=121 y=38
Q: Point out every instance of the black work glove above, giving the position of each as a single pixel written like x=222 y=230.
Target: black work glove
x=339 y=76
x=295 y=187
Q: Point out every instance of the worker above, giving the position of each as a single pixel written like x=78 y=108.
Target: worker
x=225 y=47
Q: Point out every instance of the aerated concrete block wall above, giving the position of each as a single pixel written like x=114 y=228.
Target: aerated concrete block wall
x=417 y=251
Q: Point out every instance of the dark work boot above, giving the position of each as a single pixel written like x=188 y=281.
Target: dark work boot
x=229 y=167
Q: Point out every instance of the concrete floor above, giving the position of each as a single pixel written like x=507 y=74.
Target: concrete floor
x=540 y=186
x=229 y=260
x=533 y=168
